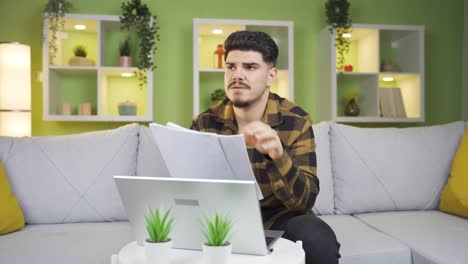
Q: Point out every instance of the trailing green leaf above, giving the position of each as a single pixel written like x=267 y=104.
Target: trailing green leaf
x=54 y=13
x=337 y=13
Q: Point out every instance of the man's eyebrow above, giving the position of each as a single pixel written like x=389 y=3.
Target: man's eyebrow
x=243 y=63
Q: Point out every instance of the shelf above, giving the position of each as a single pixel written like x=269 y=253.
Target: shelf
x=387 y=72
x=101 y=85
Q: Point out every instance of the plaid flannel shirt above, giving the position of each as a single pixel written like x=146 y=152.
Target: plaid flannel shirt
x=289 y=184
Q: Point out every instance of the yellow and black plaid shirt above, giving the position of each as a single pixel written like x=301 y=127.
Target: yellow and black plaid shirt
x=289 y=184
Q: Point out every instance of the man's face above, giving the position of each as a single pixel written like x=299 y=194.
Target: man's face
x=247 y=78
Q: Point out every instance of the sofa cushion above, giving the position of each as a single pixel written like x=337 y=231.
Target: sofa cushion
x=324 y=204
x=60 y=179
x=11 y=217
x=387 y=169
x=454 y=197
x=76 y=243
x=149 y=162
x=361 y=244
x=433 y=236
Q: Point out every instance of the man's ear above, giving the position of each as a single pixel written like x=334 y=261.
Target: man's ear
x=272 y=74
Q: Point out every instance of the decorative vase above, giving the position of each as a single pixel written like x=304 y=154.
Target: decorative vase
x=125 y=61
x=352 y=108
x=158 y=253
x=127 y=108
x=217 y=255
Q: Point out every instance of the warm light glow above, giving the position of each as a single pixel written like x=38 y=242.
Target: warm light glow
x=15 y=124
x=387 y=79
x=15 y=89
x=217 y=31
x=126 y=74
x=347 y=35
x=80 y=27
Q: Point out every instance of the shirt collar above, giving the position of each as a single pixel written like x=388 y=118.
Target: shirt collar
x=224 y=113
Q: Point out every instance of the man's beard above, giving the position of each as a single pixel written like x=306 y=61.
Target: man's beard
x=240 y=103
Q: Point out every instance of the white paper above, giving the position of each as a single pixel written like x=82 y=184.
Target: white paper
x=194 y=154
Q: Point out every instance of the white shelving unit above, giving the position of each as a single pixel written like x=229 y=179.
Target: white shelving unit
x=101 y=85
x=370 y=46
x=207 y=78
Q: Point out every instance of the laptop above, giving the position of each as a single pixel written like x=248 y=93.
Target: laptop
x=189 y=199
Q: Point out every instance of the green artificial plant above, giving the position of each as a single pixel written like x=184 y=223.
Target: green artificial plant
x=80 y=51
x=337 y=13
x=216 y=230
x=158 y=225
x=54 y=13
x=218 y=95
x=124 y=48
x=137 y=16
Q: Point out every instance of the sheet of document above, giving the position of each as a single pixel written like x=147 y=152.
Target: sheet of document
x=193 y=154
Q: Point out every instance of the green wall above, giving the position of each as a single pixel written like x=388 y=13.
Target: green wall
x=21 y=21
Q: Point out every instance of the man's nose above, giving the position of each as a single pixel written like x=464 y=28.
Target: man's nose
x=238 y=74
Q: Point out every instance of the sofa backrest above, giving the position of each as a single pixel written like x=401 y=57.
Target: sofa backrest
x=388 y=169
x=149 y=163
x=61 y=179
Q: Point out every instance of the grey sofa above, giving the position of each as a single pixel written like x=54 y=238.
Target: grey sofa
x=379 y=191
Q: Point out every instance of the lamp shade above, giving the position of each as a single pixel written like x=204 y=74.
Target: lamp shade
x=15 y=89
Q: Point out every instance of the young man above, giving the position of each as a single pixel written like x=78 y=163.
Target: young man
x=280 y=143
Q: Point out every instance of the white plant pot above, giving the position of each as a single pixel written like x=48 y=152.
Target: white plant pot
x=158 y=253
x=216 y=255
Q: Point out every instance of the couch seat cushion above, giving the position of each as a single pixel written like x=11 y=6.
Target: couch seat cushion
x=433 y=236
x=361 y=244
x=65 y=243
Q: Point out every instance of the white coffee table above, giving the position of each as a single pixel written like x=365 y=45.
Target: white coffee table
x=284 y=252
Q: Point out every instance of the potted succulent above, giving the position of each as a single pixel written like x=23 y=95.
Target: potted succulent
x=217 y=96
x=339 y=23
x=80 y=57
x=125 y=59
x=217 y=248
x=158 y=246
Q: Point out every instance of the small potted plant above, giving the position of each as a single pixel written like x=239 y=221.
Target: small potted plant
x=217 y=96
x=158 y=246
x=80 y=57
x=125 y=59
x=217 y=248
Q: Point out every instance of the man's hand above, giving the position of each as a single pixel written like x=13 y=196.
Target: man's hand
x=263 y=138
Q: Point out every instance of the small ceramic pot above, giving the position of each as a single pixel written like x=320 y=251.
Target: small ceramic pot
x=217 y=255
x=158 y=253
x=125 y=61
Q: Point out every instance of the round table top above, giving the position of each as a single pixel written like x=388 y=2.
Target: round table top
x=284 y=251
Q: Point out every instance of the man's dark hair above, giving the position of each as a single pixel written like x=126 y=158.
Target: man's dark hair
x=255 y=41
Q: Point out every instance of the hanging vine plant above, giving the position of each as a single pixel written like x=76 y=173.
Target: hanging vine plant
x=54 y=13
x=137 y=16
x=337 y=12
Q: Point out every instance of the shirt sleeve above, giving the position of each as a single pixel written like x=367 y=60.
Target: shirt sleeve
x=293 y=176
